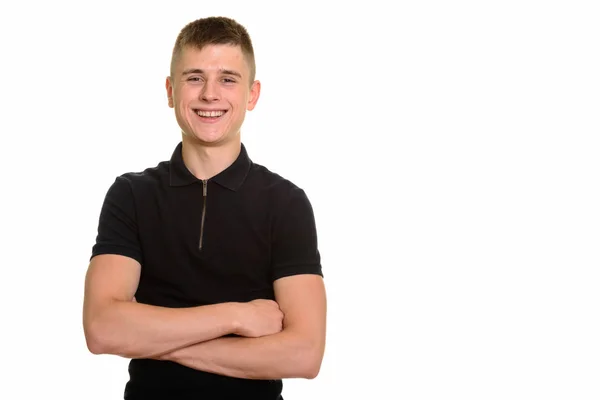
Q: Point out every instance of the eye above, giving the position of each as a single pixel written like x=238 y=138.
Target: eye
x=228 y=80
x=194 y=79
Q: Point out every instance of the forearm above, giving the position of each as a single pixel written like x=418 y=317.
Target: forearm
x=278 y=356
x=136 y=330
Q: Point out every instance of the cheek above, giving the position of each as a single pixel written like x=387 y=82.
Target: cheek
x=183 y=102
x=183 y=97
x=180 y=106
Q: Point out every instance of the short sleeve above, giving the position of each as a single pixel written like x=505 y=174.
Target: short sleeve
x=295 y=245
x=117 y=226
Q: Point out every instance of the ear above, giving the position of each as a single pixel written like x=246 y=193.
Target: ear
x=254 y=95
x=169 y=87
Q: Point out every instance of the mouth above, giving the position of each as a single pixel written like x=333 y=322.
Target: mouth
x=210 y=115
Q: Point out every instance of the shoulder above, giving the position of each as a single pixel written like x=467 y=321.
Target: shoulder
x=278 y=187
x=281 y=195
x=146 y=179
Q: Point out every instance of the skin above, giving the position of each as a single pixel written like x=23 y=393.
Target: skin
x=217 y=77
x=114 y=323
x=295 y=352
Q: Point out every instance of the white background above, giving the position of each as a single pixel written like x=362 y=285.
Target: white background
x=450 y=150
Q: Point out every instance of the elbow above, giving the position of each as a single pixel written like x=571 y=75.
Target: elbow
x=103 y=334
x=99 y=337
x=94 y=345
x=311 y=369
x=102 y=339
x=310 y=374
x=95 y=340
x=310 y=362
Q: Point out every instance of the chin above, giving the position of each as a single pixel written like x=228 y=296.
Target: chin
x=207 y=139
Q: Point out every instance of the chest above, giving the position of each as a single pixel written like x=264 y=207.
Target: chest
x=206 y=246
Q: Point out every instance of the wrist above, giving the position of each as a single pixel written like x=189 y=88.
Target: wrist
x=235 y=313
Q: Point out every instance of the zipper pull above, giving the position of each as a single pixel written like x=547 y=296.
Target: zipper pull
x=204 y=187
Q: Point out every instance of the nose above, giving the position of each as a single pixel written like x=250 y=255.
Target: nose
x=210 y=92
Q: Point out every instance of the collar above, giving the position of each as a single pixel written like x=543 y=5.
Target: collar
x=231 y=177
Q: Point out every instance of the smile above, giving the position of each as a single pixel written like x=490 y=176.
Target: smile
x=210 y=114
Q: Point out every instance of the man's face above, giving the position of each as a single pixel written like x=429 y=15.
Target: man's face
x=210 y=91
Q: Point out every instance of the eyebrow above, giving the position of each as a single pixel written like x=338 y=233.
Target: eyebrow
x=222 y=71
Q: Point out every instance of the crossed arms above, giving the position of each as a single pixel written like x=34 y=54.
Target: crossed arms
x=282 y=339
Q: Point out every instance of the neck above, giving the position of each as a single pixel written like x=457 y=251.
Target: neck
x=205 y=161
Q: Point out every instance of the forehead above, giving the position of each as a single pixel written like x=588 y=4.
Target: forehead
x=213 y=57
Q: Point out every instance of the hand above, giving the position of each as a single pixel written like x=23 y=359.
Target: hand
x=259 y=318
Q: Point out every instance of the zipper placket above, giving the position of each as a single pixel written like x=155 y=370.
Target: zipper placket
x=204 y=192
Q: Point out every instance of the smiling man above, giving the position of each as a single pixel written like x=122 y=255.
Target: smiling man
x=206 y=271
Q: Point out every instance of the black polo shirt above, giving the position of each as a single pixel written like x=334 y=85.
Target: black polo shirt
x=224 y=239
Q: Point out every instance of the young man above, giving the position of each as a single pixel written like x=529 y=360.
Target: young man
x=206 y=271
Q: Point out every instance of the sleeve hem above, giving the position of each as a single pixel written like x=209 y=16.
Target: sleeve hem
x=118 y=250
x=298 y=270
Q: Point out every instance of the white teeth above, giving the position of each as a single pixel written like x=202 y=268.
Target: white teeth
x=211 y=114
